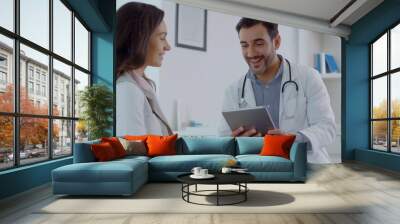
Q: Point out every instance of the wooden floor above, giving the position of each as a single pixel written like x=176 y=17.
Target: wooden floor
x=378 y=188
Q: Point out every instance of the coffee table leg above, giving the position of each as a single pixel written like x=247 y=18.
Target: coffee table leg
x=245 y=193
x=196 y=188
x=217 y=194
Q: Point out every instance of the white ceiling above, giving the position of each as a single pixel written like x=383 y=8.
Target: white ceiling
x=313 y=15
x=320 y=9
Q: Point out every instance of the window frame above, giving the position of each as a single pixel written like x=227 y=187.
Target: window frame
x=16 y=115
x=388 y=74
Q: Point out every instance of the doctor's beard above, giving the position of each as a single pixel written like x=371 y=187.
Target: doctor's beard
x=266 y=65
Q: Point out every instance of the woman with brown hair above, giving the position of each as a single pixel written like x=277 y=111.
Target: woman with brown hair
x=140 y=42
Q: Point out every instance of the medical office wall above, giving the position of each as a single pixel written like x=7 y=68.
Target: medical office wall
x=357 y=139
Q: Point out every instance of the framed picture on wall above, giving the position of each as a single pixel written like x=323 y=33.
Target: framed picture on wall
x=191 y=27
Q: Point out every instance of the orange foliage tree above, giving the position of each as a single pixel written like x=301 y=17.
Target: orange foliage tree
x=33 y=130
x=380 y=127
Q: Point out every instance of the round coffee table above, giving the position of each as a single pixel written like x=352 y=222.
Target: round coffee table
x=238 y=179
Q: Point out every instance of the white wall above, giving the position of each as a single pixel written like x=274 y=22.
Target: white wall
x=197 y=79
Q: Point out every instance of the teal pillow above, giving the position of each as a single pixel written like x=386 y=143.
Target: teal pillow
x=249 y=145
x=206 y=145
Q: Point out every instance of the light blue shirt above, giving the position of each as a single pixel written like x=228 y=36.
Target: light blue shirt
x=268 y=95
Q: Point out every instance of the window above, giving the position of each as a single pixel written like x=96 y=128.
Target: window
x=30 y=87
x=385 y=91
x=38 y=89
x=43 y=90
x=3 y=72
x=30 y=72
x=3 y=78
x=54 y=125
x=3 y=61
x=37 y=75
x=43 y=77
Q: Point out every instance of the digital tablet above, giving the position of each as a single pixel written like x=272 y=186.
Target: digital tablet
x=256 y=117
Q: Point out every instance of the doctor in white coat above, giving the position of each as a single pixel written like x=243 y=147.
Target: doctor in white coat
x=296 y=95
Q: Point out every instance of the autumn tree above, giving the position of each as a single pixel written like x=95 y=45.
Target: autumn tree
x=33 y=131
x=380 y=127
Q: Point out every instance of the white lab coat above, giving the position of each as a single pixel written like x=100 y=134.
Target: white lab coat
x=134 y=113
x=308 y=111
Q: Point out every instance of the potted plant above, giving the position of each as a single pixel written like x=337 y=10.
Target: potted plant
x=96 y=102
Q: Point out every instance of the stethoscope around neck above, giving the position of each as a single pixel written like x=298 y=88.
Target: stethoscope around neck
x=242 y=101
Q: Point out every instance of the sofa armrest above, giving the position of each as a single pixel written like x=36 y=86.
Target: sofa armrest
x=83 y=152
x=298 y=155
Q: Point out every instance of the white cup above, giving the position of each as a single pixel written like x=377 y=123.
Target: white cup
x=226 y=170
x=203 y=172
x=196 y=170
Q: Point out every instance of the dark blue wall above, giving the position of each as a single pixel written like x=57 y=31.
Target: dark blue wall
x=355 y=85
x=99 y=16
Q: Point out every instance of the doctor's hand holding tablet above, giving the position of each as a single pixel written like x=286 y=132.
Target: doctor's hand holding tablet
x=250 y=122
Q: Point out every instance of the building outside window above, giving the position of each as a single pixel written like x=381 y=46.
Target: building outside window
x=35 y=53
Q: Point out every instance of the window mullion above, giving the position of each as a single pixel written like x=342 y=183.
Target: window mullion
x=73 y=82
x=50 y=81
x=389 y=106
x=16 y=70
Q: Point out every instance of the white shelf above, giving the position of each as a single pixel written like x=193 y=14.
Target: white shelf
x=335 y=75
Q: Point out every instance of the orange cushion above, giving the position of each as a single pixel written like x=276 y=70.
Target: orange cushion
x=161 y=145
x=116 y=145
x=136 y=137
x=103 y=152
x=277 y=145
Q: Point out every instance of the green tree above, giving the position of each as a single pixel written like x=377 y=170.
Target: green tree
x=97 y=104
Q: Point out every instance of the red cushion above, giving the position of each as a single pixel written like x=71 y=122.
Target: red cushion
x=116 y=145
x=103 y=152
x=136 y=137
x=161 y=145
x=277 y=145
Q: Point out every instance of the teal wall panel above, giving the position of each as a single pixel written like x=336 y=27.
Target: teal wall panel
x=355 y=83
x=24 y=178
x=377 y=158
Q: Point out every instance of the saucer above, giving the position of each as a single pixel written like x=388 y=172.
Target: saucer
x=208 y=176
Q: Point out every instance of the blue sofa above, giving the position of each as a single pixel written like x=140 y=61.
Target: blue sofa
x=125 y=176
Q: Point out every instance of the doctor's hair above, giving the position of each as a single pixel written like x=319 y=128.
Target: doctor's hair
x=135 y=24
x=272 y=28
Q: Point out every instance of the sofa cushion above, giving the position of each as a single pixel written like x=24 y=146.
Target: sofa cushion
x=206 y=145
x=257 y=163
x=277 y=145
x=185 y=163
x=103 y=152
x=249 y=145
x=134 y=147
x=161 y=145
x=111 y=171
x=116 y=145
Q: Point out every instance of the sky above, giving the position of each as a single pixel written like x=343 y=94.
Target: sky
x=379 y=60
x=35 y=27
